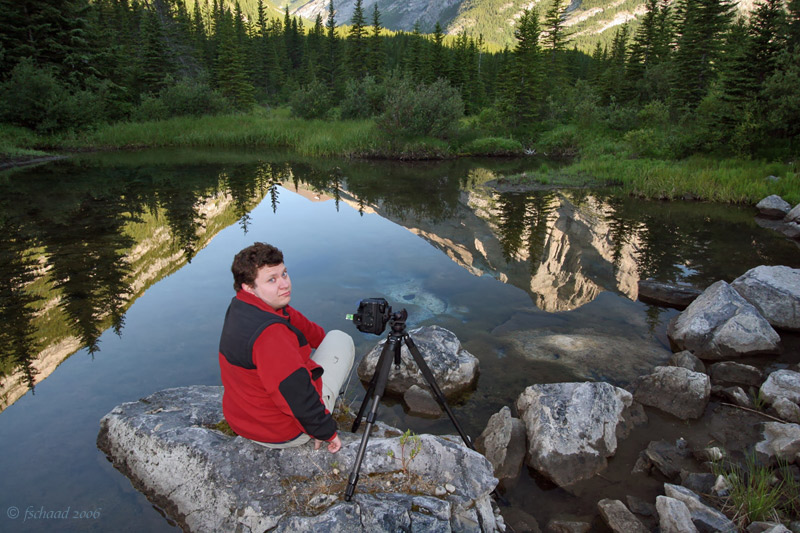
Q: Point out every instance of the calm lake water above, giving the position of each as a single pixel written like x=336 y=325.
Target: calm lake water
x=115 y=276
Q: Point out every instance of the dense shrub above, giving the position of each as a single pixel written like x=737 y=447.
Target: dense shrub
x=584 y=103
x=654 y=114
x=33 y=97
x=183 y=98
x=423 y=110
x=560 y=141
x=649 y=142
x=493 y=146
x=622 y=117
x=311 y=101
x=363 y=98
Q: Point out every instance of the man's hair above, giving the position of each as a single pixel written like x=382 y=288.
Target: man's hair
x=248 y=261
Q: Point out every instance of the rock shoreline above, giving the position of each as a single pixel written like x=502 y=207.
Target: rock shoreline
x=565 y=432
x=572 y=429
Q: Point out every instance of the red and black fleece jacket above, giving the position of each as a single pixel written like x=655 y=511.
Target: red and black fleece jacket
x=273 y=390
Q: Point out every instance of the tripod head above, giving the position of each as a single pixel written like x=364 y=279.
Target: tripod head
x=397 y=322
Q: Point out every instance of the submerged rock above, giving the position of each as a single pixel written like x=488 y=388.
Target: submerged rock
x=588 y=354
x=729 y=373
x=208 y=481
x=667 y=294
x=721 y=324
x=455 y=369
x=573 y=428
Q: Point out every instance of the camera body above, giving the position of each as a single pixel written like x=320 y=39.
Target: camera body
x=372 y=316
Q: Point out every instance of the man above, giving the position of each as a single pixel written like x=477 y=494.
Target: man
x=276 y=393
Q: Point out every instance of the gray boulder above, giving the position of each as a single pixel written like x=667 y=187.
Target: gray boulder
x=668 y=458
x=573 y=428
x=676 y=390
x=667 y=294
x=208 y=481
x=455 y=369
x=781 y=384
x=787 y=410
x=780 y=441
x=421 y=402
x=793 y=215
x=720 y=324
x=775 y=292
x=706 y=518
x=673 y=516
x=729 y=373
x=734 y=395
x=503 y=444
x=790 y=229
x=619 y=518
x=686 y=359
x=773 y=206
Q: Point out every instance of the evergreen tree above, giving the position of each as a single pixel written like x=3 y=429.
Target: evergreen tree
x=357 y=55
x=649 y=52
x=612 y=81
x=737 y=85
x=768 y=38
x=439 y=66
x=330 y=64
x=555 y=39
x=700 y=29
x=52 y=33
x=793 y=24
x=153 y=60
x=377 y=55
x=523 y=96
x=231 y=73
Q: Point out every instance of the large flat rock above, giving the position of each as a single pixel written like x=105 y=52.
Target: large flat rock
x=208 y=481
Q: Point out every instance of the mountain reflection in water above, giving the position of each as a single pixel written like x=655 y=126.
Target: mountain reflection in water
x=123 y=260
x=82 y=240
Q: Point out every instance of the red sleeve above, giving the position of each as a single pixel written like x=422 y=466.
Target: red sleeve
x=313 y=332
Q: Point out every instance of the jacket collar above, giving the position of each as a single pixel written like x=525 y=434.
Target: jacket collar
x=254 y=300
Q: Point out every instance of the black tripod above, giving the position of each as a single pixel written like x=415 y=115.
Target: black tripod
x=377 y=387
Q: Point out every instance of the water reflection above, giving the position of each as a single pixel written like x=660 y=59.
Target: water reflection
x=81 y=240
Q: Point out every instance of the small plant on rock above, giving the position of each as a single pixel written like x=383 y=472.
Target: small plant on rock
x=759 y=492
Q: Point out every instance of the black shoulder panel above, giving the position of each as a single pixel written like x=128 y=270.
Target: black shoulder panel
x=243 y=324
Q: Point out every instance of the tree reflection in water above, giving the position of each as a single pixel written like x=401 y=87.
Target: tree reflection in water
x=80 y=240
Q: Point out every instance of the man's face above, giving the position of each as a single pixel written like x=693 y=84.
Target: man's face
x=272 y=285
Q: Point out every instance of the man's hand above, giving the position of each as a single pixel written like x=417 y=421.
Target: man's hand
x=333 y=446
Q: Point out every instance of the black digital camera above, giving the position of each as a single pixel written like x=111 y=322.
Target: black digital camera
x=372 y=316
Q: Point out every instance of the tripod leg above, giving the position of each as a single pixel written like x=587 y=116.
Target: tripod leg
x=431 y=379
x=381 y=377
x=382 y=360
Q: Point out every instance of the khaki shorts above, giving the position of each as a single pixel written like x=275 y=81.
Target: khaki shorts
x=335 y=355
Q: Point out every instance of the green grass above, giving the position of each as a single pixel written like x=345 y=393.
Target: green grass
x=273 y=128
x=13 y=142
x=604 y=156
x=758 y=492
